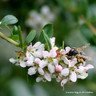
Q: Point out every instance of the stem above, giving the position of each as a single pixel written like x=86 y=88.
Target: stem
x=63 y=45
x=8 y=29
x=9 y=39
x=20 y=36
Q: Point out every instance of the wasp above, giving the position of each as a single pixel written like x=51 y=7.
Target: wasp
x=78 y=53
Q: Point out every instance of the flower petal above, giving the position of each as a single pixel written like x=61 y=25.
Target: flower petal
x=22 y=64
x=53 y=53
x=12 y=60
x=38 y=79
x=89 y=66
x=82 y=75
x=63 y=82
x=65 y=72
x=41 y=71
x=51 y=68
x=32 y=71
x=43 y=63
x=47 y=76
x=73 y=76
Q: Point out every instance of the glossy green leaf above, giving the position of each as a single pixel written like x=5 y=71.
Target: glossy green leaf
x=48 y=28
x=15 y=37
x=47 y=39
x=15 y=30
x=9 y=19
x=87 y=34
x=30 y=37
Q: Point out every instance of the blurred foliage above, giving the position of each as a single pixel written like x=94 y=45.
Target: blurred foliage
x=75 y=24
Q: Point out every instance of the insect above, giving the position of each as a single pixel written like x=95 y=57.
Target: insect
x=78 y=53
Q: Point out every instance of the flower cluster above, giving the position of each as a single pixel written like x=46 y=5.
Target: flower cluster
x=38 y=20
x=51 y=64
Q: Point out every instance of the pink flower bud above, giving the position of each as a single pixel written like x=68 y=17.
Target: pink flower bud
x=58 y=68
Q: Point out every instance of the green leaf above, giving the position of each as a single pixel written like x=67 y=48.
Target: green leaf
x=48 y=28
x=30 y=37
x=15 y=30
x=15 y=37
x=9 y=19
x=87 y=35
x=47 y=39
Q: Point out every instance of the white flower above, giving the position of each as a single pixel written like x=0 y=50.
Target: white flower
x=12 y=60
x=51 y=68
x=43 y=63
x=38 y=79
x=41 y=71
x=89 y=66
x=55 y=61
x=65 y=72
x=37 y=20
x=47 y=76
x=53 y=53
x=37 y=60
x=66 y=61
x=36 y=49
x=82 y=75
x=22 y=64
x=32 y=70
x=52 y=40
x=46 y=54
x=29 y=59
x=63 y=82
x=73 y=76
x=67 y=49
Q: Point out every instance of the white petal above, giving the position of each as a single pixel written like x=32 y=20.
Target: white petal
x=29 y=47
x=41 y=71
x=89 y=66
x=32 y=71
x=37 y=60
x=38 y=79
x=66 y=61
x=65 y=72
x=22 y=64
x=43 y=63
x=52 y=40
x=67 y=49
x=36 y=45
x=41 y=47
x=83 y=75
x=64 y=81
x=80 y=69
x=12 y=60
x=53 y=53
x=73 y=76
x=47 y=76
x=46 y=54
x=38 y=54
x=55 y=61
x=51 y=68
